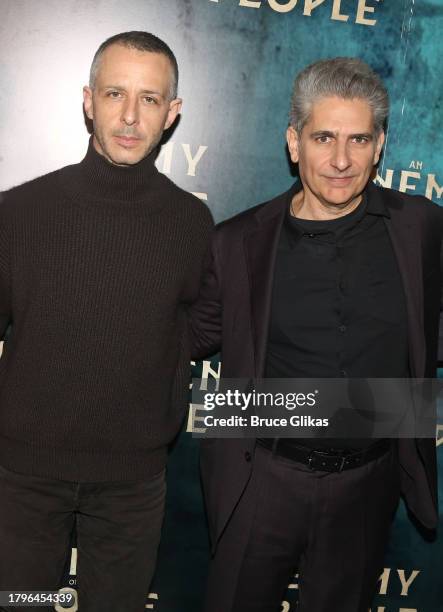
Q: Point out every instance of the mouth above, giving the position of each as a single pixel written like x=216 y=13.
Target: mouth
x=129 y=142
x=339 y=181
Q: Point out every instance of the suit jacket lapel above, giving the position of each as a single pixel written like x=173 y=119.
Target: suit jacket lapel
x=406 y=242
x=261 y=249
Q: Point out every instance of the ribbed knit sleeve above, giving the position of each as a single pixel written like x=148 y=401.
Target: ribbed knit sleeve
x=5 y=284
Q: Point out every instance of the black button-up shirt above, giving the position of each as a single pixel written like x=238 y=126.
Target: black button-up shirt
x=338 y=304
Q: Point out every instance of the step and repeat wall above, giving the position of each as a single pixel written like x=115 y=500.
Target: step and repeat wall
x=237 y=61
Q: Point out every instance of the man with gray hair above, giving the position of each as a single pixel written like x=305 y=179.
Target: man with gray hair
x=336 y=278
x=98 y=263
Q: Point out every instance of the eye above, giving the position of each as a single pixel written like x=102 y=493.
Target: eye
x=149 y=100
x=114 y=94
x=323 y=139
x=360 y=139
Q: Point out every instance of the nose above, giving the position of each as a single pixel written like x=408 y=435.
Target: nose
x=130 y=111
x=340 y=158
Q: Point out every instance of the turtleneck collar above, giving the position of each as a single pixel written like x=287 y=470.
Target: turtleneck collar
x=96 y=179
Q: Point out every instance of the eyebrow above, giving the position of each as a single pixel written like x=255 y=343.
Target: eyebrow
x=144 y=91
x=330 y=134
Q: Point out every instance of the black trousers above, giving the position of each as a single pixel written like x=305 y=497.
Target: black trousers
x=118 y=527
x=332 y=528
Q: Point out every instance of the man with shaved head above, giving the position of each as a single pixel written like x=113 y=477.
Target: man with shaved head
x=98 y=262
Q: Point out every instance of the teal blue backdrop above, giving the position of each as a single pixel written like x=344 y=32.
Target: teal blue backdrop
x=250 y=58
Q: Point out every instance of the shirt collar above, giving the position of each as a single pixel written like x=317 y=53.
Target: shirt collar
x=371 y=204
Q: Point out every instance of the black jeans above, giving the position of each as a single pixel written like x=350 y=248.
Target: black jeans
x=118 y=527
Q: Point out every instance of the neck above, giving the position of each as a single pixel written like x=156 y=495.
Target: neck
x=307 y=206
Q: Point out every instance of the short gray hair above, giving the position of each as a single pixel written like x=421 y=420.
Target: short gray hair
x=343 y=77
x=142 y=41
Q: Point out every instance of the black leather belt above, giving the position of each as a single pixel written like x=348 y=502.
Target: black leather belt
x=336 y=461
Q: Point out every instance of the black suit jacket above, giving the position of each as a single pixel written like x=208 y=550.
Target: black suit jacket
x=233 y=312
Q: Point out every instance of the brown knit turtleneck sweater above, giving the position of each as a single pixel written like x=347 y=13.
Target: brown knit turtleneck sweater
x=97 y=265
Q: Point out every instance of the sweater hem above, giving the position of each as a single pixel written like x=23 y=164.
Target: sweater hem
x=76 y=465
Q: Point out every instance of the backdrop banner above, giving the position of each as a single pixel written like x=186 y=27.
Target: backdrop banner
x=237 y=61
